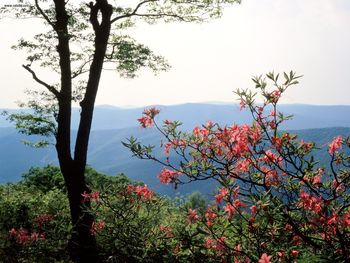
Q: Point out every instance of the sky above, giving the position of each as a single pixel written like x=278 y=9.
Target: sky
x=209 y=61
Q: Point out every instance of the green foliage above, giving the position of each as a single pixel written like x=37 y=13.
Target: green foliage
x=50 y=177
x=151 y=228
x=97 y=181
x=132 y=231
x=41 y=194
x=195 y=201
x=21 y=208
x=135 y=228
x=44 y=179
x=130 y=57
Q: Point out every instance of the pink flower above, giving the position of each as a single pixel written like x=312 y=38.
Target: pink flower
x=86 y=197
x=332 y=219
x=276 y=94
x=209 y=124
x=151 y=112
x=335 y=144
x=42 y=236
x=306 y=146
x=12 y=232
x=238 y=248
x=209 y=243
x=143 y=192
x=265 y=258
x=168 y=122
x=130 y=189
x=346 y=219
x=272 y=178
x=288 y=227
x=277 y=142
x=97 y=226
x=281 y=255
x=309 y=202
x=22 y=236
x=34 y=236
x=253 y=210
x=235 y=192
x=230 y=210
x=271 y=157
x=316 y=180
x=220 y=244
x=95 y=196
x=167 y=176
x=272 y=124
x=242 y=104
x=192 y=215
x=145 y=121
x=210 y=216
x=238 y=203
x=242 y=166
x=221 y=195
x=167 y=148
x=294 y=253
x=166 y=230
x=43 y=219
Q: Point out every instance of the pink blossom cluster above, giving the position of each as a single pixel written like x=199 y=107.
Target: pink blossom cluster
x=142 y=192
x=192 y=216
x=310 y=202
x=94 y=196
x=167 y=176
x=146 y=121
x=210 y=216
x=167 y=231
x=96 y=227
x=217 y=244
x=22 y=235
x=335 y=144
x=223 y=192
x=43 y=219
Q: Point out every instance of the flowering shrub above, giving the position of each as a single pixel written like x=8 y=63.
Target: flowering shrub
x=131 y=224
x=276 y=202
x=34 y=225
x=34 y=215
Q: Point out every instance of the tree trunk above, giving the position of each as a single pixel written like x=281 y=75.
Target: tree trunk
x=82 y=245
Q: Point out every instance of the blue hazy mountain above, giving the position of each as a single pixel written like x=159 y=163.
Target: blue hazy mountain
x=113 y=125
x=191 y=114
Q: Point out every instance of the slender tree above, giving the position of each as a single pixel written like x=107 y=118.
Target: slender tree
x=80 y=39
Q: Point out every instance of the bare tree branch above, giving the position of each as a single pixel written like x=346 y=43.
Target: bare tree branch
x=49 y=87
x=81 y=70
x=161 y=15
x=133 y=12
x=44 y=15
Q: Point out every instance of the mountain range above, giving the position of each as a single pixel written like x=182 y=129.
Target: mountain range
x=113 y=125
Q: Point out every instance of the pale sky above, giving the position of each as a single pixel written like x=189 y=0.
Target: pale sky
x=209 y=61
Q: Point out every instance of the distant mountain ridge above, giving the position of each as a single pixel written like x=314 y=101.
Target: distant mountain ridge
x=192 y=114
x=113 y=125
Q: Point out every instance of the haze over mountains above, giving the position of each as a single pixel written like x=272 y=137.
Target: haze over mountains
x=112 y=125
